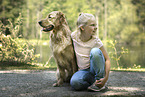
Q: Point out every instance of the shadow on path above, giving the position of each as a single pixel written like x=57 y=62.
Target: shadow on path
x=22 y=83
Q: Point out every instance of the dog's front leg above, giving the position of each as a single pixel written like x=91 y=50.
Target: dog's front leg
x=60 y=77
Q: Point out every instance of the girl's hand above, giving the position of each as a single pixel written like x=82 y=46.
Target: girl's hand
x=100 y=83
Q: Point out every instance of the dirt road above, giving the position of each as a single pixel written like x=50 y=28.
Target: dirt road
x=25 y=83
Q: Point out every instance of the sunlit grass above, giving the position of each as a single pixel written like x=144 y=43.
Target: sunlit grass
x=129 y=69
x=40 y=66
x=33 y=66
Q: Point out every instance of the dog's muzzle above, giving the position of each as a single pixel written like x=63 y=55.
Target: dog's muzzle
x=47 y=28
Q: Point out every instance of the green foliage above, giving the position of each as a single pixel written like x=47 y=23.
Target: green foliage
x=136 y=66
x=121 y=21
x=115 y=55
x=124 y=18
x=140 y=12
x=13 y=50
x=121 y=16
x=14 y=28
x=10 y=9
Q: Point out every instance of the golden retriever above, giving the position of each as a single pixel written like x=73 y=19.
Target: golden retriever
x=61 y=45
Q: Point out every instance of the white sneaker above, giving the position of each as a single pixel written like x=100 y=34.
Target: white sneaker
x=93 y=87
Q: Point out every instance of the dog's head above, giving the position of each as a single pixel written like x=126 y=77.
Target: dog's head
x=52 y=21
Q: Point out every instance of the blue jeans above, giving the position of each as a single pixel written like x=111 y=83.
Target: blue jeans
x=82 y=79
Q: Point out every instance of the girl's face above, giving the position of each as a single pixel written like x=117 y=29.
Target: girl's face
x=90 y=28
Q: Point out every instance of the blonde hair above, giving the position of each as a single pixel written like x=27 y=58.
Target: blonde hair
x=84 y=18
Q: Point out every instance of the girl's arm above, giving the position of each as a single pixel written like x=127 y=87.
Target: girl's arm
x=101 y=82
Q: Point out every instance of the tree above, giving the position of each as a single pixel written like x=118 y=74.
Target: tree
x=122 y=21
x=31 y=15
x=140 y=6
x=10 y=9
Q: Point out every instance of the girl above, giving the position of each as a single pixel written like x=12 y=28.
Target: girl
x=92 y=59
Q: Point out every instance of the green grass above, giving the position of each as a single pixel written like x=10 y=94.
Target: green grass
x=21 y=66
x=129 y=69
x=38 y=66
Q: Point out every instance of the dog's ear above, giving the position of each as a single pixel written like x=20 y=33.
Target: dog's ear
x=62 y=17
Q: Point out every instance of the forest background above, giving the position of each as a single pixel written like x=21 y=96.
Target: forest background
x=121 y=20
x=118 y=20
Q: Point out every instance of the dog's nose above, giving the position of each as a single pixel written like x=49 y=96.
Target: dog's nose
x=40 y=22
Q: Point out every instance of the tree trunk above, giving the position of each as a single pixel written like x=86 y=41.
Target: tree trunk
x=105 y=30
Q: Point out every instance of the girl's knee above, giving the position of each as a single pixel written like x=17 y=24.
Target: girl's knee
x=75 y=84
x=95 y=52
x=78 y=84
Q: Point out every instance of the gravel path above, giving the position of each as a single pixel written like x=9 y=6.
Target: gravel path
x=25 y=83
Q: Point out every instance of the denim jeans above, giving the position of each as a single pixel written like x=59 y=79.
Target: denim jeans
x=82 y=79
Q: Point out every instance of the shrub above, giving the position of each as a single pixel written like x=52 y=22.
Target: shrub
x=14 y=50
x=115 y=54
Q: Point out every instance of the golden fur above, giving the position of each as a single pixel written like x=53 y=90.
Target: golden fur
x=61 y=45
